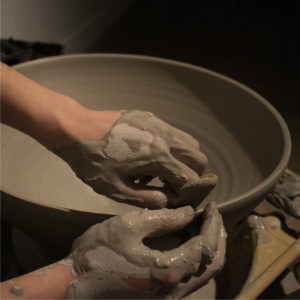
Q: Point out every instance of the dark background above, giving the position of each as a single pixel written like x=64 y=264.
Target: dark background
x=254 y=42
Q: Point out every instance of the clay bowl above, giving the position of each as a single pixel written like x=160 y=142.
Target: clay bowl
x=246 y=140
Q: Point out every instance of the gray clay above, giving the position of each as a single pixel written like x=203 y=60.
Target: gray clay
x=16 y=290
x=110 y=253
x=138 y=148
x=286 y=194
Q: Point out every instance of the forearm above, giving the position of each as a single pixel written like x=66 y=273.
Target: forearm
x=50 y=282
x=32 y=108
x=51 y=118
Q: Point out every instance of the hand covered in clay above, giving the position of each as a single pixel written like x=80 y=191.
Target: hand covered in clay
x=113 y=262
x=138 y=148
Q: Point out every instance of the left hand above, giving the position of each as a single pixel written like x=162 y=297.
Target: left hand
x=113 y=262
x=137 y=148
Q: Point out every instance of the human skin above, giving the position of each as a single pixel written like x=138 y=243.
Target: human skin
x=48 y=283
x=110 y=260
x=137 y=148
x=58 y=121
x=91 y=143
x=53 y=119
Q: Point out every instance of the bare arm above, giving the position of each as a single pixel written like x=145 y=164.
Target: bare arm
x=51 y=118
x=50 y=282
x=111 y=261
x=138 y=146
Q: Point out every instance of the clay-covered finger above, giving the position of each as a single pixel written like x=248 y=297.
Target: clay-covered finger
x=196 y=282
x=160 y=222
x=192 y=157
x=191 y=194
x=180 y=136
x=166 y=167
x=157 y=222
x=175 y=169
x=173 y=265
x=181 y=185
x=138 y=225
x=176 y=264
x=219 y=259
x=210 y=228
x=122 y=191
x=212 y=220
x=210 y=231
x=200 y=249
x=141 y=196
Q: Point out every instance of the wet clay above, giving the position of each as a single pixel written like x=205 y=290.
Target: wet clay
x=16 y=290
x=138 y=148
x=260 y=227
x=286 y=194
x=66 y=262
x=111 y=256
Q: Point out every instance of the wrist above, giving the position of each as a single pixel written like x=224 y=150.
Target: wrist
x=78 y=123
x=66 y=116
x=50 y=282
x=69 y=274
x=49 y=122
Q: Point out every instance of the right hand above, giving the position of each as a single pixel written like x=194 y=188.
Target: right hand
x=113 y=262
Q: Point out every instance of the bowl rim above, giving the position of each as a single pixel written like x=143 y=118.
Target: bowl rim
x=259 y=190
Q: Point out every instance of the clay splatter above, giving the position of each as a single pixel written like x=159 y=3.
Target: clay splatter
x=16 y=290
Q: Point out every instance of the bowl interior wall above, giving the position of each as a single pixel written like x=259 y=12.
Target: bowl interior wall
x=240 y=136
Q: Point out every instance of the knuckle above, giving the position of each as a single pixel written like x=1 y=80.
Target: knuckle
x=132 y=222
x=161 y=147
x=128 y=224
